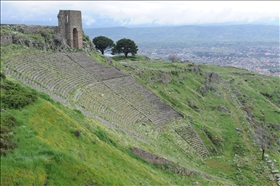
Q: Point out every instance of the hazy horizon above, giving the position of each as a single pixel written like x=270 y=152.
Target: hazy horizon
x=131 y=14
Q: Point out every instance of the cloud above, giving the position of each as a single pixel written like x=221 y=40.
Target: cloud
x=145 y=12
x=89 y=20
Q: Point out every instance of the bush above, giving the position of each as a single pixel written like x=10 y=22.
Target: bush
x=77 y=133
x=15 y=96
x=8 y=122
x=2 y=75
x=238 y=149
x=216 y=140
x=104 y=137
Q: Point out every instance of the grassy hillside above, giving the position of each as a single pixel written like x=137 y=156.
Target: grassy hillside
x=234 y=111
x=230 y=114
x=59 y=146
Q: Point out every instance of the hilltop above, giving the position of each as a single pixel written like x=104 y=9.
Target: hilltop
x=93 y=120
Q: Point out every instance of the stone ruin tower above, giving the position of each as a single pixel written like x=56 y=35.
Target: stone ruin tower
x=70 y=27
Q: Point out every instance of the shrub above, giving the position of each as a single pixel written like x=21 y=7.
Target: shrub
x=238 y=149
x=77 y=133
x=15 y=96
x=8 y=122
x=2 y=75
x=216 y=140
x=104 y=137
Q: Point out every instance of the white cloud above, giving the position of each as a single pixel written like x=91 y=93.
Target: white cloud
x=147 y=12
x=88 y=19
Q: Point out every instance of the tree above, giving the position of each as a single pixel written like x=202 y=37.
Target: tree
x=125 y=46
x=260 y=136
x=173 y=58
x=103 y=43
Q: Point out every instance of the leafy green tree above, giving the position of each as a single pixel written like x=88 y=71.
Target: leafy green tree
x=103 y=43
x=125 y=46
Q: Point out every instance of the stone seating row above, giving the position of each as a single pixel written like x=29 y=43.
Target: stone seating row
x=57 y=76
x=62 y=81
x=56 y=62
x=190 y=135
x=108 y=114
x=142 y=99
x=126 y=130
x=105 y=95
x=105 y=103
x=36 y=86
x=99 y=71
x=183 y=144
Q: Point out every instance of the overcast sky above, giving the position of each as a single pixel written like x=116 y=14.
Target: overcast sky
x=143 y=13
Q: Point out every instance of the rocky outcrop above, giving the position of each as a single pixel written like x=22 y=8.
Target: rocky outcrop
x=35 y=36
x=196 y=69
x=151 y=158
x=166 y=78
x=165 y=164
x=212 y=77
x=209 y=83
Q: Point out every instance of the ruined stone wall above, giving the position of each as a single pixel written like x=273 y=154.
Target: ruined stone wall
x=70 y=27
x=6 y=40
x=39 y=37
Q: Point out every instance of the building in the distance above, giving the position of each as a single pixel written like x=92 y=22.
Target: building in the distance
x=70 y=27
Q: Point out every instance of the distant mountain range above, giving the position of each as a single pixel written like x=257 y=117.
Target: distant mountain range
x=187 y=33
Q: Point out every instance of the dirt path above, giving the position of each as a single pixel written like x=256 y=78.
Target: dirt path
x=244 y=134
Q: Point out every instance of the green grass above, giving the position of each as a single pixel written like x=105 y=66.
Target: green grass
x=129 y=58
x=221 y=125
x=49 y=151
x=56 y=145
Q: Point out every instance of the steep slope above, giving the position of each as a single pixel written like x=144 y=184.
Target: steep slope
x=205 y=124
x=55 y=145
x=235 y=113
x=79 y=82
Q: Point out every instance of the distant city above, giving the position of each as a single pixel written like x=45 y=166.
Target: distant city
x=256 y=59
x=251 y=47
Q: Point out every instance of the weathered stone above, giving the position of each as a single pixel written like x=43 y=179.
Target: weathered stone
x=196 y=69
x=266 y=155
x=70 y=27
x=222 y=108
x=193 y=106
x=152 y=158
x=108 y=60
x=6 y=39
x=213 y=77
x=204 y=89
x=166 y=78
